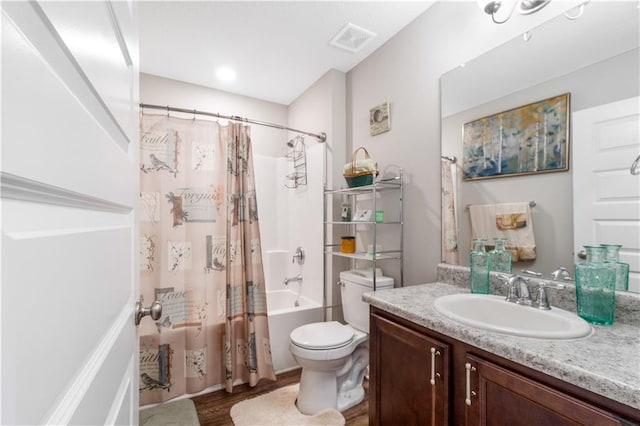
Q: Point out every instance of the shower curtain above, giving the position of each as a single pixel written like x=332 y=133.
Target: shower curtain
x=449 y=212
x=200 y=257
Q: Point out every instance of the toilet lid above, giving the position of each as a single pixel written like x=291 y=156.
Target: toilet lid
x=322 y=335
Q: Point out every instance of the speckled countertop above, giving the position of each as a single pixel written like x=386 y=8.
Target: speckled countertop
x=607 y=362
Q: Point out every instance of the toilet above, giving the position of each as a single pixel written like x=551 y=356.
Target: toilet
x=334 y=357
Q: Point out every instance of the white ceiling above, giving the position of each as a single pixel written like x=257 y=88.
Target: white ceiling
x=277 y=48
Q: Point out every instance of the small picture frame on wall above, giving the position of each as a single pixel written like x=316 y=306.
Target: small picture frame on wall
x=379 y=119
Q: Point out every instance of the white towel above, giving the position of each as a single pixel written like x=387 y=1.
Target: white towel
x=512 y=221
x=366 y=165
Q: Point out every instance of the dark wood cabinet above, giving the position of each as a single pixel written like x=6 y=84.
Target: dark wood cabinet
x=470 y=386
x=499 y=397
x=410 y=375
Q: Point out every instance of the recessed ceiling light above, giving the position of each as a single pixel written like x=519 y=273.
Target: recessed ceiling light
x=225 y=74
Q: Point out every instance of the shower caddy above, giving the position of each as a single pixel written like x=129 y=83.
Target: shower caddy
x=392 y=185
x=298 y=156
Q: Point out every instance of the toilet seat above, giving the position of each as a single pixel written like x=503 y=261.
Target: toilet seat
x=322 y=336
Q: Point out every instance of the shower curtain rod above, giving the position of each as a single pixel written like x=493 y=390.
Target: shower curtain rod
x=322 y=137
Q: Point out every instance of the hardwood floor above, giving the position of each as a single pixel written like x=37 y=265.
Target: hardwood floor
x=213 y=408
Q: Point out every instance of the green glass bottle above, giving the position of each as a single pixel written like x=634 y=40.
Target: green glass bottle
x=499 y=257
x=612 y=255
x=479 y=264
x=595 y=287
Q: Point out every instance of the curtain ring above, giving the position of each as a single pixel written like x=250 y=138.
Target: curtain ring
x=194 y=114
x=167 y=111
x=634 y=167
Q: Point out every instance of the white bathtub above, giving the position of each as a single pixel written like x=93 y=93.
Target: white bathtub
x=284 y=317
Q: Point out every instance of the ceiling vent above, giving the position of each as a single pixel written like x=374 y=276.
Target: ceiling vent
x=352 y=38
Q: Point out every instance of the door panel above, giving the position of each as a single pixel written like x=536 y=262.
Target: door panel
x=87 y=29
x=606 y=140
x=69 y=215
x=506 y=398
x=401 y=364
x=94 y=161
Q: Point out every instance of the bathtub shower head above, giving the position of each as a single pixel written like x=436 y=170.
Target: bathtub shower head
x=290 y=143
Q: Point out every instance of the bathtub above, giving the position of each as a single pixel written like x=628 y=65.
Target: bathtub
x=284 y=317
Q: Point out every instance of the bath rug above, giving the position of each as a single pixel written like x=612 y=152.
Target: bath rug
x=279 y=408
x=182 y=412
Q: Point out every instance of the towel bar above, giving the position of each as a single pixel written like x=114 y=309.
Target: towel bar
x=531 y=204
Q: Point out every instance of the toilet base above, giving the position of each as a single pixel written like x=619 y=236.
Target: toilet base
x=317 y=391
x=349 y=399
x=350 y=390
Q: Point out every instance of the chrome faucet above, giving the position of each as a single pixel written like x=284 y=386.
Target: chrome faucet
x=543 y=299
x=561 y=274
x=518 y=291
x=297 y=278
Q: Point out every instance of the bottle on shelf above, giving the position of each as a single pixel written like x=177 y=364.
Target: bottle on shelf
x=345 y=215
x=479 y=264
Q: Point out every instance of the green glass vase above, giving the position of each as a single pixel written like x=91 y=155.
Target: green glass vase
x=499 y=257
x=479 y=264
x=612 y=255
x=595 y=287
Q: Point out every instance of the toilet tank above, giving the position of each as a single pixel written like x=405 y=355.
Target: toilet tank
x=353 y=284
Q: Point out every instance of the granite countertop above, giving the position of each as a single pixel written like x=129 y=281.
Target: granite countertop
x=607 y=362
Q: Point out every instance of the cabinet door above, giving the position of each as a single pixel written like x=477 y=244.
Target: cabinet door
x=497 y=396
x=409 y=375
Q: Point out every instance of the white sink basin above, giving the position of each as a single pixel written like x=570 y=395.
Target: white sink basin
x=493 y=313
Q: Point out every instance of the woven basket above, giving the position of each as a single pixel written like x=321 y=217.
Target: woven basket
x=354 y=178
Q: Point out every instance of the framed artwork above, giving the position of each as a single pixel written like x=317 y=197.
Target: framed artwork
x=379 y=119
x=530 y=139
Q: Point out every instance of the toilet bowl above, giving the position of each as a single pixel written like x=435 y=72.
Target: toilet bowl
x=333 y=356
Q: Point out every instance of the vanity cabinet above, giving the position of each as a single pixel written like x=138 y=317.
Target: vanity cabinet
x=409 y=376
x=499 y=396
x=472 y=387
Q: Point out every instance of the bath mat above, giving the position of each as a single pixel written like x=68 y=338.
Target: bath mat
x=181 y=412
x=279 y=408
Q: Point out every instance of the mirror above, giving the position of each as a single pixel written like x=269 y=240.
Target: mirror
x=594 y=58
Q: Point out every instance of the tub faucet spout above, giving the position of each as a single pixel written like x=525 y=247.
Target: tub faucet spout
x=297 y=278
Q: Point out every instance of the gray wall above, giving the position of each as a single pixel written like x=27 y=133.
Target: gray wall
x=406 y=72
x=321 y=108
x=164 y=91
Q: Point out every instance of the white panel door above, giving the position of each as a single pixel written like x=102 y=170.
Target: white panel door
x=69 y=176
x=606 y=199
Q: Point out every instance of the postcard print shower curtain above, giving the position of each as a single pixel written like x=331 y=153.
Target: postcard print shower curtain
x=200 y=256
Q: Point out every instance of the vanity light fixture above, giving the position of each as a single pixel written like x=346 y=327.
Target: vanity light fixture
x=525 y=7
